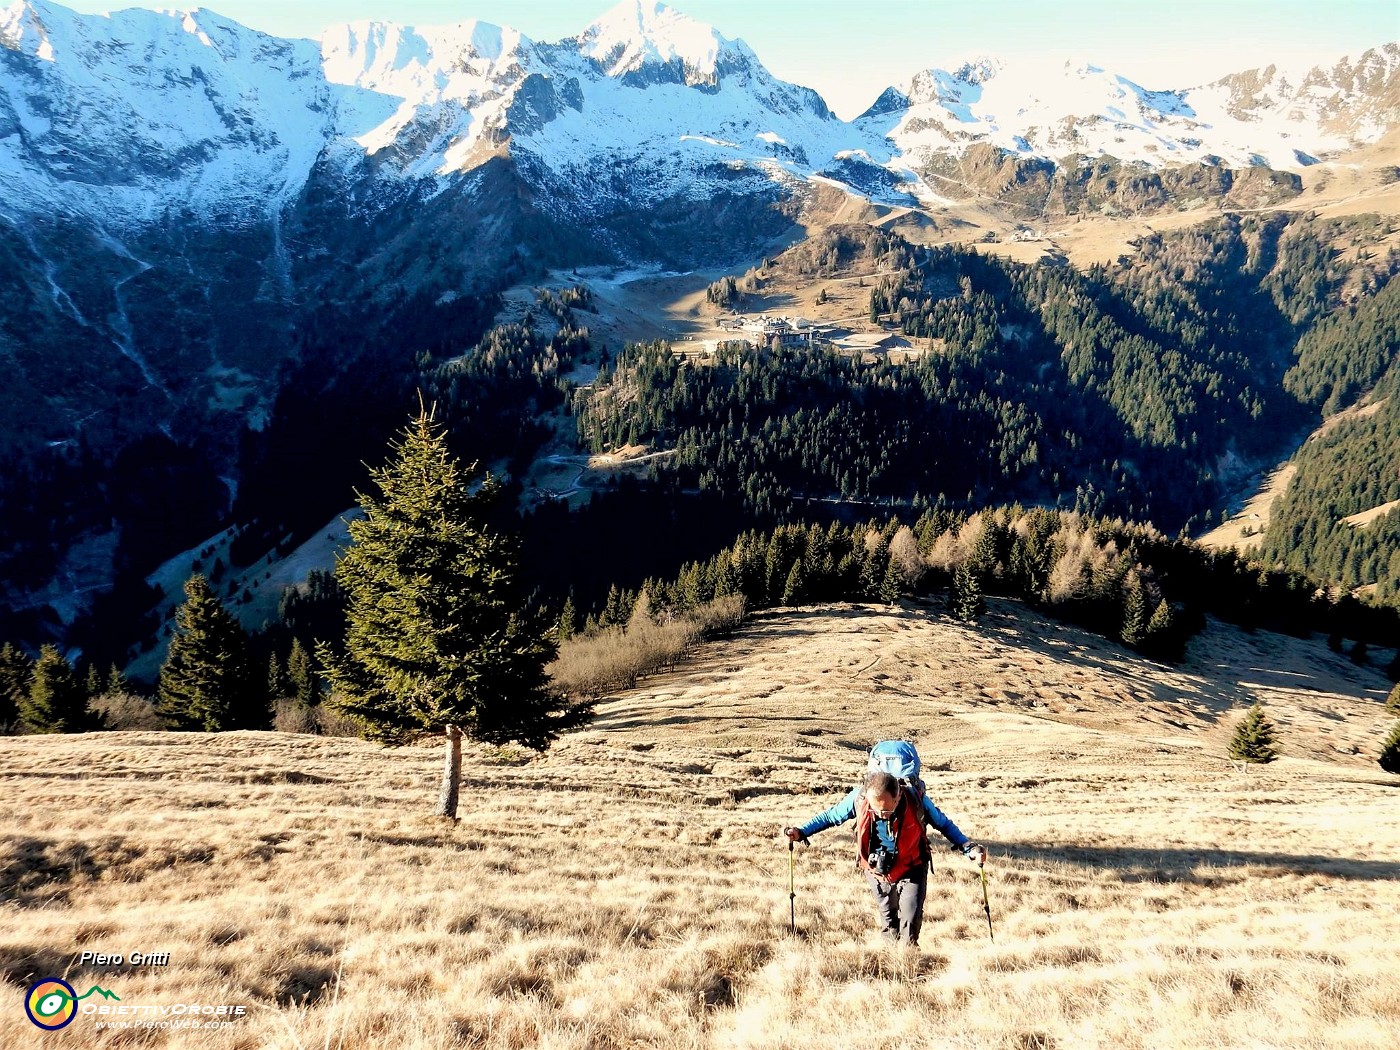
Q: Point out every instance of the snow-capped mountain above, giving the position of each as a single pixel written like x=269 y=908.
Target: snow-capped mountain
x=1052 y=110
x=126 y=116
x=129 y=116
x=187 y=205
x=644 y=107
x=178 y=189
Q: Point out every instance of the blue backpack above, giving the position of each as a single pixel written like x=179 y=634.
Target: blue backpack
x=899 y=759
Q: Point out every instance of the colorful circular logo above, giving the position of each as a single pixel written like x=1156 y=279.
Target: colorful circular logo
x=51 y=1003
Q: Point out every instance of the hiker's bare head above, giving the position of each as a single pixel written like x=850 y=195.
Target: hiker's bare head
x=881 y=793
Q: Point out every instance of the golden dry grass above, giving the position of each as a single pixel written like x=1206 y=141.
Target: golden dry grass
x=628 y=889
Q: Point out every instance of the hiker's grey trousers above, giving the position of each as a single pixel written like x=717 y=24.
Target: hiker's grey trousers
x=901 y=905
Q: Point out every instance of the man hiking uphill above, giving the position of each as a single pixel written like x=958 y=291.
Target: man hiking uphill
x=890 y=809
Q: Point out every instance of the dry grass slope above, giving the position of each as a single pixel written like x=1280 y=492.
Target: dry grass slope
x=628 y=890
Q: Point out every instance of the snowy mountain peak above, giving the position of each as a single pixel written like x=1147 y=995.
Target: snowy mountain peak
x=978 y=69
x=22 y=29
x=1052 y=108
x=636 y=33
x=415 y=61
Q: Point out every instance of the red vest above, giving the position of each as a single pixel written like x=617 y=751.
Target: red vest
x=907 y=827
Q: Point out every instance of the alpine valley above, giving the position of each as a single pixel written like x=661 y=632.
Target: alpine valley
x=228 y=261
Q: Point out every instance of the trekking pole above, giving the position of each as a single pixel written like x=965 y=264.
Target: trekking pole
x=986 y=904
x=792 y=887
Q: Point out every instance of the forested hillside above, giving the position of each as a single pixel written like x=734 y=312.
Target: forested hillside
x=1349 y=470
x=1142 y=390
x=1125 y=390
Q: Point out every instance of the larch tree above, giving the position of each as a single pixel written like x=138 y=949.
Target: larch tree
x=435 y=638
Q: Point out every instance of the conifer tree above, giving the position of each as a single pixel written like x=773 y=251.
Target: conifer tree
x=567 y=624
x=873 y=563
x=116 y=681
x=796 y=584
x=1254 y=737
x=983 y=559
x=278 y=686
x=967 y=600
x=301 y=675
x=1162 y=640
x=1390 y=750
x=94 y=682
x=1135 y=619
x=435 y=642
x=207 y=681
x=16 y=670
x=57 y=701
x=892 y=586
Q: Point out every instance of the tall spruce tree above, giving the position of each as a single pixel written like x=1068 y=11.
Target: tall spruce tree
x=1390 y=751
x=1135 y=617
x=57 y=700
x=16 y=670
x=302 y=675
x=116 y=681
x=1392 y=702
x=795 y=587
x=967 y=602
x=1163 y=641
x=208 y=681
x=1254 y=737
x=435 y=641
x=567 y=624
x=278 y=684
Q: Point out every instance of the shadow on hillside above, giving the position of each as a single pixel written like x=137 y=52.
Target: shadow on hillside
x=640 y=718
x=23 y=964
x=36 y=872
x=768 y=618
x=1209 y=699
x=1196 y=867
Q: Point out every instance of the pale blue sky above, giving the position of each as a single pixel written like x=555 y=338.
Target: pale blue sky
x=832 y=45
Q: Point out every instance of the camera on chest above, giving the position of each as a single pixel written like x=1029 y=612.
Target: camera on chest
x=881 y=861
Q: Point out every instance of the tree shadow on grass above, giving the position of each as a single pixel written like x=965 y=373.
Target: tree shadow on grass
x=23 y=964
x=1195 y=867
x=36 y=872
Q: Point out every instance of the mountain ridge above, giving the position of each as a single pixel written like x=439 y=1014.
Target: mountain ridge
x=233 y=114
x=193 y=209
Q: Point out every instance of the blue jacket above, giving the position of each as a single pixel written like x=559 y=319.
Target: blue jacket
x=846 y=810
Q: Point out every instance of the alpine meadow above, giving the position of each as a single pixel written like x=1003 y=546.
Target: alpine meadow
x=564 y=541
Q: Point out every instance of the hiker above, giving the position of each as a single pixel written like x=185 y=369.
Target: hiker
x=892 y=845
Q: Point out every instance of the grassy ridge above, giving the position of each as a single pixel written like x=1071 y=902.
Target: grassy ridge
x=628 y=889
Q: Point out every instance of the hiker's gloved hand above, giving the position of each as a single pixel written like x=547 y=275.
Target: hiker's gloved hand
x=975 y=852
x=794 y=835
